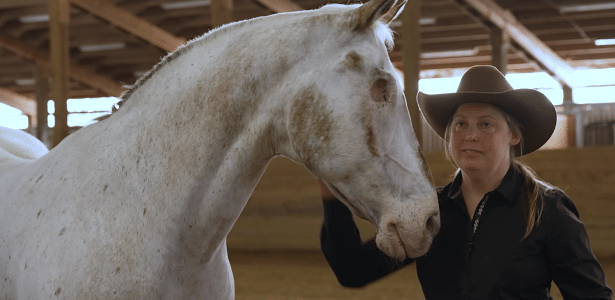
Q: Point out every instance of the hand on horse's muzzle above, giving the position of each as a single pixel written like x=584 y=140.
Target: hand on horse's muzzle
x=325 y=193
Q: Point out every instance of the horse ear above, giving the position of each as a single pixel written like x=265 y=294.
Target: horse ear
x=374 y=10
x=394 y=12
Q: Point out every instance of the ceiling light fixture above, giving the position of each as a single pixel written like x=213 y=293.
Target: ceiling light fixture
x=587 y=7
x=422 y=22
x=34 y=19
x=452 y=53
x=25 y=81
x=184 y=4
x=102 y=47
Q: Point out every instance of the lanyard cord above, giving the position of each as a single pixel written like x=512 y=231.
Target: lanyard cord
x=477 y=216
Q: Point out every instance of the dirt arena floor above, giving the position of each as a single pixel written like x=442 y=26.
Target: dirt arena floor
x=306 y=276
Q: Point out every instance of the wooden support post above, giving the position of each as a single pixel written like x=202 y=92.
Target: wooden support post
x=571 y=126
x=59 y=58
x=41 y=74
x=411 y=52
x=499 y=48
x=221 y=12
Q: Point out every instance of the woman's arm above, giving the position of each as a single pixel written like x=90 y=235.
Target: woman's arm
x=575 y=269
x=354 y=262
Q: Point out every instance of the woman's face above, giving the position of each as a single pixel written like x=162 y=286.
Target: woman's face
x=480 y=138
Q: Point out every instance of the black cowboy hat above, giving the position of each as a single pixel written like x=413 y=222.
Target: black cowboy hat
x=486 y=84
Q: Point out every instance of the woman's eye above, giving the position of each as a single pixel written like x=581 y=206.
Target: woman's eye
x=486 y=124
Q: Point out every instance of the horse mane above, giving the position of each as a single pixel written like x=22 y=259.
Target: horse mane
x=383 y=32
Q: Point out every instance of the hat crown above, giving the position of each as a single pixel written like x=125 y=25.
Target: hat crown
x=483 y=79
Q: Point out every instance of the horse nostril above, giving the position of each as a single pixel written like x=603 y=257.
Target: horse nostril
x=433 y=224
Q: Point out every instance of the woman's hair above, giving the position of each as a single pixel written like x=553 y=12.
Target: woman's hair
x=534 y=187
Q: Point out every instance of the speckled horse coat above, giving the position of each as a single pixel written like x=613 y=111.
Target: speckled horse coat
x=138 y=206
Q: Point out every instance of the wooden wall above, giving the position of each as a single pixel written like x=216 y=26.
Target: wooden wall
x=285 y=211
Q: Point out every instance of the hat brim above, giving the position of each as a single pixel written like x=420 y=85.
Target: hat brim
x=531 y=108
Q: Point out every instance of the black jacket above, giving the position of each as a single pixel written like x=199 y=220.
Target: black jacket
x=492 y=263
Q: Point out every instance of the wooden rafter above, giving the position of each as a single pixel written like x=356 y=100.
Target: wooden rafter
x=20 y=3
x=506 y=21
x=77 y=72
x=131 y=23
x=280 y=5
x=23 y=103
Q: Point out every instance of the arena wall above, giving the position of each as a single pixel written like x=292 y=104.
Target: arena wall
x=285 y=211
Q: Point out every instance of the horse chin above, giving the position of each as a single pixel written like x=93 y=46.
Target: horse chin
x=415 y=244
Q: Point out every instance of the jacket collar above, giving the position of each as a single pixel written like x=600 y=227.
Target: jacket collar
x=509 y=188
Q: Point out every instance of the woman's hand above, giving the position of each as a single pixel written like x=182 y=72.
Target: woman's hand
x=325 y=193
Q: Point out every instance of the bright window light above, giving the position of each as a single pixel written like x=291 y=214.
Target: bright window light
x=594 y=77
x=12 y=117
x=6 y=110
x=596 y=94
x=538 y=80
x=82 y=112
x=593 y=85
x=15 y=122
x=555 y=95
x=91 y=104
x=439 y=85
x=82 y=120
x=51 y=108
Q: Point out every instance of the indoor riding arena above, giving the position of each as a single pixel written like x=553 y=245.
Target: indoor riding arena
x=65 y=63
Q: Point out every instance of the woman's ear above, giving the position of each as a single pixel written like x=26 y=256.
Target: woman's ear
x=515 y=138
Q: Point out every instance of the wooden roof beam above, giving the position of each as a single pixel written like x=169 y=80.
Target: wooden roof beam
x=20 y=3
x=131 y=23
x=23 y=103
x=280 y=5
x=505 y=20
x=76 y=72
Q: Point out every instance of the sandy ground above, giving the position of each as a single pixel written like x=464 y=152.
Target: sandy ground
x=306 y=276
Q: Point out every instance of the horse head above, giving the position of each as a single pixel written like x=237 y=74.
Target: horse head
x=349 y=125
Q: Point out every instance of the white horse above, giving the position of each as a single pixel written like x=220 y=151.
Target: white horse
x=138 y=206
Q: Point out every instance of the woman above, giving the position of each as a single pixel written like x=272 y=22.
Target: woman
x=505 y=234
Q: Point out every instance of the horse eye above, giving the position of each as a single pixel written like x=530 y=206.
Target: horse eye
x=381 y=91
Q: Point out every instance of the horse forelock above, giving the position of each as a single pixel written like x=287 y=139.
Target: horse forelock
x=384 y=34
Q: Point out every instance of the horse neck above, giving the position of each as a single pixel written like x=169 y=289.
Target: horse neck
x=206 y=144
